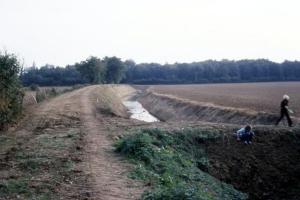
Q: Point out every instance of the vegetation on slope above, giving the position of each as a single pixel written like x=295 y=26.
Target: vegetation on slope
x=174 y=165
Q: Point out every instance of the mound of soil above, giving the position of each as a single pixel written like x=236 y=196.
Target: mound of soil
x=171 y=108
x=267 y=169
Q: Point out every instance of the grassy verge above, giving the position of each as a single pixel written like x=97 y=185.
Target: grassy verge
x=35 y=94
x=47 y=93
x=174 y=165
x=42 y=165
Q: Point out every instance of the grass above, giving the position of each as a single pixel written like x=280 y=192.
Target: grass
x=14 y=186
x=43 y=167
x=174 y=165
x=24 y=188
x=43 y=163
x=42 y=93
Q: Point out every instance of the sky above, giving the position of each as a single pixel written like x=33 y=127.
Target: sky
x=62 y=32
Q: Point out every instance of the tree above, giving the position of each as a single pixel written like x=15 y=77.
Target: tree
x=50 y=75
x=92 y=69
x=11 y=94
x=115 y=70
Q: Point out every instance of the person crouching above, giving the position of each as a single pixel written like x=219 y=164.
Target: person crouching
x=245 y=134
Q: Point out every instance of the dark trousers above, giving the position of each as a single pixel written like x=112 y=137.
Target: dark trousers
x=282 y=114
x=247 y=137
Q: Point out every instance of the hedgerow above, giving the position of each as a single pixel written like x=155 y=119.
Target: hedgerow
x=11 y=94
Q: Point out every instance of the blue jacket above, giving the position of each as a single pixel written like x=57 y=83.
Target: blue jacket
x=242 y=132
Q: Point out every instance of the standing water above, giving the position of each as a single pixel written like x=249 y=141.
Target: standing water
x=139 y=112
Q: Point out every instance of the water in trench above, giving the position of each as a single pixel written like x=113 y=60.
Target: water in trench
x=138 y=112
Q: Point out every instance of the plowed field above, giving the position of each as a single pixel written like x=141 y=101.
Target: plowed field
x=255 y=96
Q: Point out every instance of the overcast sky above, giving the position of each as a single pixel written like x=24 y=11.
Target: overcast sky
x=62 y=32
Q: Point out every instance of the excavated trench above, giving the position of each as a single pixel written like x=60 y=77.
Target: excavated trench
x=171 y=108
x=267 y=169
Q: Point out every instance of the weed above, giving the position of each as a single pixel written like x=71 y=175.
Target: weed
x=34 y=87
x=40 y=95
x=53 y=92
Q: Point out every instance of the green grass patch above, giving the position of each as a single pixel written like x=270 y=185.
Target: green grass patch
x=6 y=143
x=44 y=165
x=25 y=188
x=13 y=186
x=46 y=155
x=175 y=164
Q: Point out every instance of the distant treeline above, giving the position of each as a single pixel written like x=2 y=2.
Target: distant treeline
x=213 y=72
x=93 y=70
x=113 y=70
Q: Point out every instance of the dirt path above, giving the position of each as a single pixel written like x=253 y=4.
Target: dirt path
x=107 y=170
x=67 y=132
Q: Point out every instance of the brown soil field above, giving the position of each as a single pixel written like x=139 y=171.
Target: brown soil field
x=255 y=96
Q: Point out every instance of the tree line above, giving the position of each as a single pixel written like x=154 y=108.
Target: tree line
x=92 y=70
x=113 y=70
x=211 y=71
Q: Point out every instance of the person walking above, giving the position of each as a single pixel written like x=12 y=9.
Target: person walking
x=284 y=111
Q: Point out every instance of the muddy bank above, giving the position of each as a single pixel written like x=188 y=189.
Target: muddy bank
x=170 y=108
x=267 y=169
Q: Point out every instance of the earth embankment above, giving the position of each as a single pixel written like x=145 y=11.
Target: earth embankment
x=171 y=108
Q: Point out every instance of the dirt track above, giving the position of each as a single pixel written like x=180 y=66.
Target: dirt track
x=107 y=173
x=107 y=170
